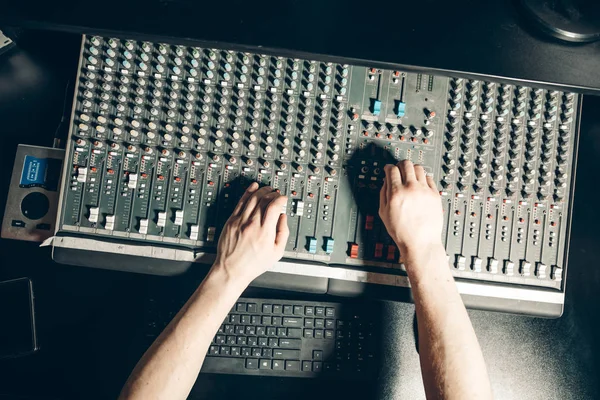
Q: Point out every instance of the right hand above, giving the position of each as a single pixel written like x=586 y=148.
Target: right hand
x=410 y=208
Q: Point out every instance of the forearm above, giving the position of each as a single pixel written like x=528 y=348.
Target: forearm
x=171 y=365
x=451 y=360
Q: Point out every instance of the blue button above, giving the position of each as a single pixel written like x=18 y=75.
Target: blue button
x=329 y=245
x=312 y=245
x=401 y=109
x=377 y=107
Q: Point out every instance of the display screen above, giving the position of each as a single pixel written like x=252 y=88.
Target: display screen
x=17 y=328
x=40 y=172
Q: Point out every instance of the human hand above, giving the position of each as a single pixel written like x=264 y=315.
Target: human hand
x=410 y=208
x=254 y=237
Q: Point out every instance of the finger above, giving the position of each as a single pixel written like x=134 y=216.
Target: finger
x=393 y=179
x=253 y=201
x=431 y=183
x=261 y=207
x=240 y=205
x=282 y=233
x=273 y=210
x=420 y=174
x=383 y=195
x=407 y=171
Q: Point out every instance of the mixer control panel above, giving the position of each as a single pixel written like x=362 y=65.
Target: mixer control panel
x=165 y=138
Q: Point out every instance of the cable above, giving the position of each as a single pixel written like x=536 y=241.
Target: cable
x=56 y=143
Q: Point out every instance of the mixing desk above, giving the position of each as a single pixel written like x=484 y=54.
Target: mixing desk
x=164 y=139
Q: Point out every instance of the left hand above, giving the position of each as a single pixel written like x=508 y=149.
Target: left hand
x=254 y=237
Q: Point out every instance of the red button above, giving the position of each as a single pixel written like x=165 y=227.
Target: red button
x=369 y=222
x=353 y=250
x=378 y=250
x=391 y=253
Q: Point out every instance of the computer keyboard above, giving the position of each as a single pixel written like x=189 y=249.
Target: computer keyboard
x=268 y=337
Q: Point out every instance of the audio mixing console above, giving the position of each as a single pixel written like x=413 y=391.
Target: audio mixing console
x=165 y=138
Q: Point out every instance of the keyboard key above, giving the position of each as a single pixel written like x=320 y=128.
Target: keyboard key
x=261 y=331
x=256 y=352
x=319 y=323
x=245 y=319
x=251 y=363
x=246 y=351
x=277 y=309
x=267 y=309
x=250 y=330
x=231 y=340
x=266 y=320
x=252 y=308
x=329 y=323
x=239 y=329
x=320 y=311
x=252 y=341
x=318 y=333
x=290 y=343
x=277 y=321
x=292 y=321
x=220 y=339
x=265 y=364
x=286 y=354
x=263 y=341
x=281 y=332
x=234 y=318
x=298 y=310
x=221 y=329
x=271 y=331
x=328 y=334
x=309 y=322
x=295 y=332
x=292 y=365
x=230 y=329
x=317 y=366
x=235 y=351
x=213 y=350
x=225 y=350
x=240 y=307
x=266 y=352
x=310 y=311
x=273 y=342
x=241 y=340
x=254 y=319
x=287 y=310
x=278 y=365
x=330 y=312
x=309 y=333
x=306 y=366
x=318 y=355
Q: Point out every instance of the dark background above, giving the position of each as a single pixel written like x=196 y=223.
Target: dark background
x=475 y=36
x=92 y=322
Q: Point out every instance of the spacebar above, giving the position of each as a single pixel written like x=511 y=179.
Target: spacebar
x=223 y=365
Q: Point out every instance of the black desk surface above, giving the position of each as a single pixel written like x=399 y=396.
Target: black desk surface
x=473 y=36
x=90 y=321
